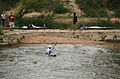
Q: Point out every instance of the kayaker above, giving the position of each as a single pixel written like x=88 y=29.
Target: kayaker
x=49 y=50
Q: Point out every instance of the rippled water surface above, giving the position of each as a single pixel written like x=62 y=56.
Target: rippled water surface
x=71 y=62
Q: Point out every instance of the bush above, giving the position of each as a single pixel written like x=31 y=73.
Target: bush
x=1 y=32
x=40 y=21
x=61 y=26
x=117 y=13
x=116 y=25
x=96 y=12
x=102 y=23
x=60 y=9
x=92 y=8
x=7 y=4
x=35 y=21
x=0 y=11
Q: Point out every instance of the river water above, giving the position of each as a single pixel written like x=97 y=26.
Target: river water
x=72 y=62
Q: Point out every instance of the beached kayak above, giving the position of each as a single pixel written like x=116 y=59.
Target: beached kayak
x=5 y=27
x=32 y=27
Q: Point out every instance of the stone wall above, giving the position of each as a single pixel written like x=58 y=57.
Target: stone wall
x=96 y=35
x=100 y=35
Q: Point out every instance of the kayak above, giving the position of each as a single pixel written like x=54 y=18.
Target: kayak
x=53 y=55
x=30 y=27
x=5 y=27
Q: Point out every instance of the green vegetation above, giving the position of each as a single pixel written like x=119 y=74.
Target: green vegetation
x=92 y=8
x=60 y=9
x=114 y=5
x=41 y=5
x=40 y=21
x=1 y=32
x=97 y=8
x=29 y=6
x=34 y=5
x=7 y=4
x=102 y=23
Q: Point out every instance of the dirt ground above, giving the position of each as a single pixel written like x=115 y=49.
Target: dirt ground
x=58 y=40
x=41 y=39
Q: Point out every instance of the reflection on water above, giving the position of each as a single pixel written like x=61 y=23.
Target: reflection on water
x=71 y=62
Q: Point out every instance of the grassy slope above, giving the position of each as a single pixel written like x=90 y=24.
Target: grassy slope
x=6 y=5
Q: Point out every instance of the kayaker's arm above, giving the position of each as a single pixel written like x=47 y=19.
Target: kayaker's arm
x=54 y=46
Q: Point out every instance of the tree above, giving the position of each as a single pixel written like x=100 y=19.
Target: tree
x=35 y=5
x=114 y=5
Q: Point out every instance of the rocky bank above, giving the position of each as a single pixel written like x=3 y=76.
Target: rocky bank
x=59 y=36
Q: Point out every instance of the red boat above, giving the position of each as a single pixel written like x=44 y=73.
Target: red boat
x=5 y=27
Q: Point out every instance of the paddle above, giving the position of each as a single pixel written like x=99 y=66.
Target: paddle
x=54 y=45
x=54 y=55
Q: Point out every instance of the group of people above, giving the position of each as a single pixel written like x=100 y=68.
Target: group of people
x=11 y=18
x=11 y=24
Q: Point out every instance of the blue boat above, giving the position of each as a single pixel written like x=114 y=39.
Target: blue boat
x=50 y=54
x=32 y=27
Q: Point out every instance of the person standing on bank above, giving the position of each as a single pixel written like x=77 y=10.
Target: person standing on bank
x=3 y=17
x=11 y=21
x=74 y=21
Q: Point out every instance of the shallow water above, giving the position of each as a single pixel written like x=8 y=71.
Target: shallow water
x=71 y=62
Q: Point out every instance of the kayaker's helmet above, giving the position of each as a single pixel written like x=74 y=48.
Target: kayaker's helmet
x=50 y=46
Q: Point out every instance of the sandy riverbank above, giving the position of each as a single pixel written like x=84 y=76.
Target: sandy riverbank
x=57 y=40
x=65 y=38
